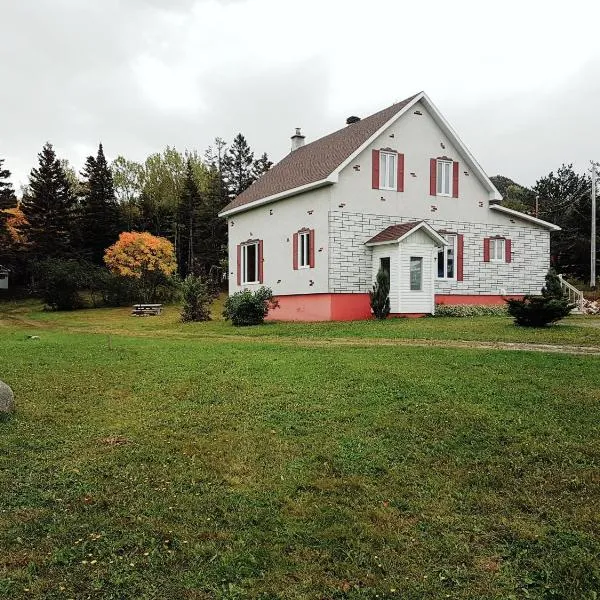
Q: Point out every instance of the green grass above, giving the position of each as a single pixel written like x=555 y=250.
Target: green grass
x=175 y=461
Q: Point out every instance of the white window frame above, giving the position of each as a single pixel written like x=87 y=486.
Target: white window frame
x=441 y=168
x=452 y=240
x=421 y=262
x=304 y=249
x=388 y=161
x=245 y=263
x=497 y=250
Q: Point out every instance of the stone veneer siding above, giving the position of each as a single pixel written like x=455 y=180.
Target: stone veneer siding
x=350 y=260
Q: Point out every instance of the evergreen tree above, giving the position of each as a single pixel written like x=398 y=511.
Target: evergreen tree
x=188 y=212
x=262 y=165
x=564 y=199
x=7 y=200
x=238 y=166
x=380 y=296
x=48 y=208
x=100 y=216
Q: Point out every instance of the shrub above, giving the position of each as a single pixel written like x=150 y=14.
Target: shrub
x=197 y=298
x=117 y=290
x=61 y=281
x=249 y=308
x=539 y=311
x=380 y=296
x=470 y=310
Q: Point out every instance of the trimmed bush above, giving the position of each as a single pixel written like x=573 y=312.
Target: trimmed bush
x=197 y=298
x=380 y=296
x=539 y=311
x=470 y=310
x=249 y=308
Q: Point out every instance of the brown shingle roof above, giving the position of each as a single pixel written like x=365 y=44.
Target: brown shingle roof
x=317 y=160
x=393 y=232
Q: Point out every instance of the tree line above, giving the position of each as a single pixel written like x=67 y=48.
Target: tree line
x=63 y=215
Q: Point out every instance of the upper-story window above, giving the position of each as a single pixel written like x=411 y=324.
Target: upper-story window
x=250 y=271
x=304 y=250
x=497 y=250
x=387 y=170
x=446 y=264
x=444 y=177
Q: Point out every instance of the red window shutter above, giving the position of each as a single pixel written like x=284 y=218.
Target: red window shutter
x=433 y=177
x=295 y=252
x=311 y=249
x=375 y=170
x=239 y=264
x=486 y=249
x=460 y=247
x=260 y=261
x=455 y=168
x=508 y=250
x=400 y=174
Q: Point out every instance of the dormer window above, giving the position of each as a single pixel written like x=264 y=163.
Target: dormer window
x=444 y=177
x=387 y=170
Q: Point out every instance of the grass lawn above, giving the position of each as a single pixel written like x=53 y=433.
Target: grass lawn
x=170 y=461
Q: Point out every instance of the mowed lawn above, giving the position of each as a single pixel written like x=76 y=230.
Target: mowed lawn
x=148 y=459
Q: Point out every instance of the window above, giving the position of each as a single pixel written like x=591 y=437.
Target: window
x=497 y=250
x=384 y=264
x=446 y=264
x=444 y=177
x=387 y=170
x=416 y=273
x=250 y=263
x=304 y=250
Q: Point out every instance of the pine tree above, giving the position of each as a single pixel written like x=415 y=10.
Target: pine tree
x=100 y=216
x=48 y=208
x=7 y=200
x=262 y=165
x=380 y=296
x=188 y=212
x=238 y=166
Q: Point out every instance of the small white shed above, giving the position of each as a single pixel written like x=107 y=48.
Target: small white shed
x=408 y=251
x=3 y=278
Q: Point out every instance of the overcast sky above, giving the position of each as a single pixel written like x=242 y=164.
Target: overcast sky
x=519 y=80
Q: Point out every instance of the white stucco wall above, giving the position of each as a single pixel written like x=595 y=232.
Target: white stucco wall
x=419 y=138
x=276 y=224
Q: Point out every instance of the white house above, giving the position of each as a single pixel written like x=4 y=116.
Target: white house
x=397 y=190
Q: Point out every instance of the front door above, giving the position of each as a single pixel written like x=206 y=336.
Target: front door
x=416 y=279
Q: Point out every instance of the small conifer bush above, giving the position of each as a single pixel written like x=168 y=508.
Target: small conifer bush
x=380 y=296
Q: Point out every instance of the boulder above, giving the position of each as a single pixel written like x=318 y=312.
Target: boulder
x=7 y=398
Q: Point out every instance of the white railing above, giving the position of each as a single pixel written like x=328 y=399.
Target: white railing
x=575 y=296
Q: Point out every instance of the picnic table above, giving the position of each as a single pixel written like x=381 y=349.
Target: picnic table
x=143 y=310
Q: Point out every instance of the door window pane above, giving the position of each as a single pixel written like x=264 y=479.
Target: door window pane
x=416 y=273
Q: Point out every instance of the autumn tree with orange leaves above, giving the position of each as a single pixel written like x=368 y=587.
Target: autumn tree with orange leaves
x=144 y=257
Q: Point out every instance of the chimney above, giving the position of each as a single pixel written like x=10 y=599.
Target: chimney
x=297 y=139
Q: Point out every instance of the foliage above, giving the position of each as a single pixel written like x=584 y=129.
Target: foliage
x=99 y=211
x=564 y=199
x=469 y=310
x=192 y=462
x=48 y=209
x=514 y=195
x=8 y=202
x=238 y=166
x=539 y=311
x=197 y=299
x=189 y=213
x=380 y=296
x=60 y=282
x=249 y=308
x=144 y=257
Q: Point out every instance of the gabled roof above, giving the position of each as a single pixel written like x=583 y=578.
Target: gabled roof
x=396 y=233
x=319 y=163
x=525 y=217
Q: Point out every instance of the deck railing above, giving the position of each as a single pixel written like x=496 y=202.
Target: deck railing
x=575 y=296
